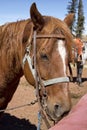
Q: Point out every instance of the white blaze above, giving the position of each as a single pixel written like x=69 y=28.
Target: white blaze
x=62 y=51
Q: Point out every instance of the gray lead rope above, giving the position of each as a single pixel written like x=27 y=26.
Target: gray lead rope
x=39 y=121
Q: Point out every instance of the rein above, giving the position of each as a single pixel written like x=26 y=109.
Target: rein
x=38 y=81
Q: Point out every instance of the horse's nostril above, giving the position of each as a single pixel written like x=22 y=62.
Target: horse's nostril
x=56 y=107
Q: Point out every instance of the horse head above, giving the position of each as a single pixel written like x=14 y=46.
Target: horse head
x=53 y=52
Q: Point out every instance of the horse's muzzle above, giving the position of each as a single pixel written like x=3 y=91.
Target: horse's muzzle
x=58 y=112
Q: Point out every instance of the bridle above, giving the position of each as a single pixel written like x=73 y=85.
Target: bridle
x=35 y=72
x=27 y=57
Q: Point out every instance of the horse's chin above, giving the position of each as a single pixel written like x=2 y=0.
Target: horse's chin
x=52 y=116
x=55 y=118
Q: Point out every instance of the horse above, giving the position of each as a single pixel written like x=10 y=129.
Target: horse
x=38 y=48
x=79 y=63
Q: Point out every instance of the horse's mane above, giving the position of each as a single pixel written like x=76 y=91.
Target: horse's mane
x=10 y=43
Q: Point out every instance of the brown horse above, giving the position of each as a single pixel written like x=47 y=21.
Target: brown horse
x=52 y=39
x=77 y=55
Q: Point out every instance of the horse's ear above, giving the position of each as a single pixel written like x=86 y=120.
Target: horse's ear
x=36 y=17
x=69 y=19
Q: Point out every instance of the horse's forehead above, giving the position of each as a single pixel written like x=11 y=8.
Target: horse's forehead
x=56 y=26
x=51 y=24
x=52 y=46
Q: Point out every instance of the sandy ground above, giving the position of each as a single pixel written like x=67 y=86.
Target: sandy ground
x=25 y=118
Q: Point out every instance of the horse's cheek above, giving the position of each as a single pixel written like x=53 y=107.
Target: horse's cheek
x=28 y=74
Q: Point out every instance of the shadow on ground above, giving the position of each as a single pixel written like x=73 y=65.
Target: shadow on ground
x=9 y=122
x=83 y=79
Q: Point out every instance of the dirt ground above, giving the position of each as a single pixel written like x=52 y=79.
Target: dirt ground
x=25 y=118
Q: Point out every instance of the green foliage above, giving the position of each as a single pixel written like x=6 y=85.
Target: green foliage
x=72 y=9
x=80 y=20
x=76 y=7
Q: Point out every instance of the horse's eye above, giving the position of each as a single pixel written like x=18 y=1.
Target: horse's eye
x=44 y=57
